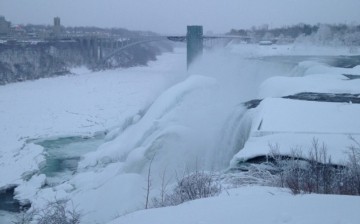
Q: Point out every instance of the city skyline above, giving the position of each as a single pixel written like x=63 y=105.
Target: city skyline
x=172 y=16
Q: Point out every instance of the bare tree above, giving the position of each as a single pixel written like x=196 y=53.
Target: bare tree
x=275 y=155
x=56 y=212
x=25 y=217
x=354 y=165
x=315 y=173
x=149 y=183
x=164 y=185
x=161 y=201
x=196 y=185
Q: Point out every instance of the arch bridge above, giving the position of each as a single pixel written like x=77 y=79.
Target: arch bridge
x=194 y=38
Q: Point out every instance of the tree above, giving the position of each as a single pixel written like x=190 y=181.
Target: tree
x=149 y=183
x=199 y=184
x=56 y=212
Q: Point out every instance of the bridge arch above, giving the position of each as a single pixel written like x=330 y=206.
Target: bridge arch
x=194 y=38
x=122 y=48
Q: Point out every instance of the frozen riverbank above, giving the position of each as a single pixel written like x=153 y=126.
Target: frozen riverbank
x=160 y=113
x=74 y=105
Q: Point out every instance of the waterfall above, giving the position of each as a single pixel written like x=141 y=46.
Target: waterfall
x=198 y=123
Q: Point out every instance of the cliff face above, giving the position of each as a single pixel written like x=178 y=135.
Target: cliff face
x=27 y=61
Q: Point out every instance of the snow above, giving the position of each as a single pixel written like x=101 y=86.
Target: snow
x=7 y=217
x=273 y=87
x=254 y=205
x=181 y=130
x=103 y=206
x=80 y=70
x=29 y=188
x=298 y=116
x=22 y=163
x=294 y=124
x=318 y=78
x=336 y=145
x=298 y=49
x=182 y=121
x=73 y=105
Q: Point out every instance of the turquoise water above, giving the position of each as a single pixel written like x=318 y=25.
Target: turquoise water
x=63 y=155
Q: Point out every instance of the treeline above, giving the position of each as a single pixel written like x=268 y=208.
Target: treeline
x=320 y=33
x=31 y=31
x=30 y=28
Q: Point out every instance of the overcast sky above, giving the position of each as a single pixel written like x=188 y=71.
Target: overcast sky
x=172 y=16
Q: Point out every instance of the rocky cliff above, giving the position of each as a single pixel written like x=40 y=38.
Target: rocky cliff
x=21 y=61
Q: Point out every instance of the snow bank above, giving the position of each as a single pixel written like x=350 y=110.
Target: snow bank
x=323 y=83
x=293 y=124
x=18 y=165
x=111 y=198
x=255 y=50
x=254 y=205
x=29 y=188
x=80 y=70
x=298 y=116
x=284 y=143
x=314 y=77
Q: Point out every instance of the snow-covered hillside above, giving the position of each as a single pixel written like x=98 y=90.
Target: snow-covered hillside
x=254 y=205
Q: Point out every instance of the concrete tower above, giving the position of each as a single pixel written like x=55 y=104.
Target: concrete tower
x=57 y=26
x=194 y=38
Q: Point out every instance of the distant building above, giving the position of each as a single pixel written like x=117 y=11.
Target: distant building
x=5 y=26
x=266 y=42
x=57 y=26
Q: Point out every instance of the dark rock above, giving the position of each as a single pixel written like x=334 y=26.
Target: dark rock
x=326 y=97
x=8 y=203
x=318 y=97
x=29 y=61
x=252 y=103
x=351 y=76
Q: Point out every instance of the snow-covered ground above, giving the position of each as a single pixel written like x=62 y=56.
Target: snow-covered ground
x=74 y=105
x=182 y=121
x=295 y=124
x=254 y=205
x=299 y=49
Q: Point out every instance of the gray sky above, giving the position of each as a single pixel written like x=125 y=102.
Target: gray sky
x=172 y=16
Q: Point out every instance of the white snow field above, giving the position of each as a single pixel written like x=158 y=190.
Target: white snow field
x=181 y=121
x=254 y=205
